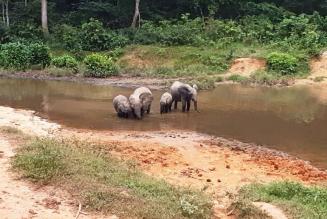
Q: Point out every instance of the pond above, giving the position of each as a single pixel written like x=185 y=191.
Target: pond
x=293 y=120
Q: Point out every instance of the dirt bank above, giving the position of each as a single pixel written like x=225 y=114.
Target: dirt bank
x=119 y=81
x=216 y=165
x=246 y=66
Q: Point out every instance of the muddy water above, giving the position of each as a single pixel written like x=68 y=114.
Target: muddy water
x=293 y=120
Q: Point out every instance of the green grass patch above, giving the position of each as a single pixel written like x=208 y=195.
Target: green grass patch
x=237 y=78
x=107 y=184
x=297 y=200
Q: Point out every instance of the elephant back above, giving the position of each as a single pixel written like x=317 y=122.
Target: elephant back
x=174 y=90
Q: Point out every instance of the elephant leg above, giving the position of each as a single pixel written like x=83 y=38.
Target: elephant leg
x=175 y=106
x=188 y=102
x=149 y=109
x=169 y=107
x=183 y=105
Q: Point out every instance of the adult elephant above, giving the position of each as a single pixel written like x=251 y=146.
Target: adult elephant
x=140 y=101
x=186 y=94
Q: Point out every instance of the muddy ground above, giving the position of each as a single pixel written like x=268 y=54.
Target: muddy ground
x=216 y=165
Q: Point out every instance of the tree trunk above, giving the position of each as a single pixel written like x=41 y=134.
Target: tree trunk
x=44 y=18
x=137 y=15
x=25 y=3
x=7 y=13
x=3 y=12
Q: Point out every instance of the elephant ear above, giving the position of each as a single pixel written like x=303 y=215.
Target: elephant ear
x=146 y=97
x=185 y=92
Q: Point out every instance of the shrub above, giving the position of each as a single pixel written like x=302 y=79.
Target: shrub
x=99 y=66
x=25 y=32
x=65 y=61
x=20 y=56
x=282 y=63
x=15 y=56
x=39 y=54
x=182 y=32
x=69 y=37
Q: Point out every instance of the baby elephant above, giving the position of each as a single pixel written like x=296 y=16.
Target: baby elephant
x=122 y=106
x=165 y=103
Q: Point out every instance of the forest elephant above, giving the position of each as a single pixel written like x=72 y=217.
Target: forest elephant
x=186 y=94
x=166 y=101
x=140 y=101
x=122 y=106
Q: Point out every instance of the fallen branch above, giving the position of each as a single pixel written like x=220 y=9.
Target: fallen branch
x=231 y=212
x=79 y=210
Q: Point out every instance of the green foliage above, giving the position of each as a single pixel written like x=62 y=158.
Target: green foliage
x=65 y=61
x=182 y=32
x=21 y=56
x=282 y=63
x=15 y=56
x=69 y=37
x=106 y=184
x=91 y=36
x=25 y=32
x=39 y=54
x=298 y=200
x=99 y=66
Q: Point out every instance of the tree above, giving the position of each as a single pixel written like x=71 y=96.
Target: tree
x=137 y=15
x=5 y=12
x=44 y=17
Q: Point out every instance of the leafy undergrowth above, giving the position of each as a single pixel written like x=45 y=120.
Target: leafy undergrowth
x=295 y=199
x=106 y=184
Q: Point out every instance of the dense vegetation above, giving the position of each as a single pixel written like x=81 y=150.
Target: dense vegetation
x=290 y=31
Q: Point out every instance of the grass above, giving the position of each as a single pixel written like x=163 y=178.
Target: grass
x=177 y=61
x=106 y=184
x=295 y=199
x=237 y=78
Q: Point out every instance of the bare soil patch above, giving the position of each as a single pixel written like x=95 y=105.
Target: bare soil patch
x=247 y=66
x=318 y=66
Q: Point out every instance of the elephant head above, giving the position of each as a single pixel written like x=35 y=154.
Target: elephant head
x=136 y=105
x=195 y=96
x=188 y=94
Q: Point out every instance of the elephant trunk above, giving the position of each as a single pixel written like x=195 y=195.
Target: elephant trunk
x=196 y=105
x=138 y=114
